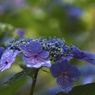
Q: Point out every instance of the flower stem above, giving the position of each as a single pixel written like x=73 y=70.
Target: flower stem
x=34 y=82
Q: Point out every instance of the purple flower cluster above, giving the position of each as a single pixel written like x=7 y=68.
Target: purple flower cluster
x=53 y=53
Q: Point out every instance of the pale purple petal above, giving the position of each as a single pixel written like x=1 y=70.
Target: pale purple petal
x=47 y=63
x=65 y=84
x=36 y=62
x=73 y=73
x=7 y=59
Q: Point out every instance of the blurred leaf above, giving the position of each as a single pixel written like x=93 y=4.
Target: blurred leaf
x=88 y=89
x=10 y=90
x=19 y=75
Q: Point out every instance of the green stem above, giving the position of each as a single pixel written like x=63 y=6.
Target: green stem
x=34 y=82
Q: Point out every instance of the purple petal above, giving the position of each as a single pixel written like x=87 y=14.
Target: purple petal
x=68 y=58
x=84 y=55
x=35 y=62
x=7 y=59
x=23 y=48
x=89 y=57
x=58 y=68
x=20 y=32
x=47 y=63
x=65 y=84
x=44 y=54
x=73 y=73
x=1 y=51
x=34 y=47
x=77 y=52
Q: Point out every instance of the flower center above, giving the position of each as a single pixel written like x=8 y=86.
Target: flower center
x=36 y=56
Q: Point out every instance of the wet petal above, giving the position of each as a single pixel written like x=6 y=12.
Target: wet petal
x=73 y=73
x=7 y=59
x=34 y=47
x=65 y=84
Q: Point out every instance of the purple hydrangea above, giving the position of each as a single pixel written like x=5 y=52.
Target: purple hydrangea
x=34 y=55
x=20 y=32
x=66 y=74
x=84 y=55
x=73 y=11
x=7 y=58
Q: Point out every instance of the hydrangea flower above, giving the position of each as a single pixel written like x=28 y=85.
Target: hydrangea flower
x=66 y=74
x=20 y=32
x=34 y=55
x=73 y=11
x=7 y=58
x=84 y=55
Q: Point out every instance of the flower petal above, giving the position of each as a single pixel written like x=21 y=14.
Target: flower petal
x=44 y=54
x=23 y=48
x=47 y=63
x=89 y=57
x=36 y=62
x=84 y=55
x=7 y=59
x=73 y=73
x=34 y=47
x=65 y=84
x=58 y=68
x=1 y=51
x=69 y=57
x=77 y=53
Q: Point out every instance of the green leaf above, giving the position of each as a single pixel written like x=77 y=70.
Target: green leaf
x=88 y=89
x=20 y=75
x=11 y=90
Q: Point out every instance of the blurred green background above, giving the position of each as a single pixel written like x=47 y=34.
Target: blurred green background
x=72 y=20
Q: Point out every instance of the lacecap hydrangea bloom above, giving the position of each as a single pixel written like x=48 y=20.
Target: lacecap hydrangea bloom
x=52 y=53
